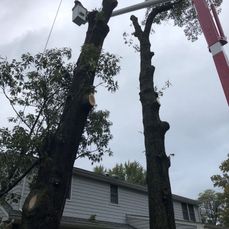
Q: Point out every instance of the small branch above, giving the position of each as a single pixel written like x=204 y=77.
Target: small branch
x=81 y=155
x=10 y=101
x=11 y=186
x=155 y=12
x=85 y=154
x=100 y=84
x=37 y=118
x=138 y=30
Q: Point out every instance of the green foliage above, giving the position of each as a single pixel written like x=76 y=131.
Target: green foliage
x=128 y=40
x=94 y=143
x=99 y=170
x=36 y=88
x=131 y=172
x=7 y=176
x=107 y=67
x=160 y=92
x=183 y=15
x=211 y=207
x=89 y=54
x=222 y=181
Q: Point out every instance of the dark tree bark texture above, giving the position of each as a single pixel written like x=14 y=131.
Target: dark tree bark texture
x=161 y=213
x=44 y=205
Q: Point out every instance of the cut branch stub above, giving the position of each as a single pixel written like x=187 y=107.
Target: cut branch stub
x=88 y=101
x=138 y=30
x=32 y=202
x=91 y=99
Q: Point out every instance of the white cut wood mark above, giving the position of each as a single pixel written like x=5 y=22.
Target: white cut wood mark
x=32 y=202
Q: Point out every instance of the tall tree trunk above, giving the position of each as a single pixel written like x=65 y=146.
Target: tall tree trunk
x=161 y=213
x=44 y=205
x=159 y=190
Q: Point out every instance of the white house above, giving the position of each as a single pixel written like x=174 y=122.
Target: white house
x=99 y=201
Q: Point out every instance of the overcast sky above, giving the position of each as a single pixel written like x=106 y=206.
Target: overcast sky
x=194 y=106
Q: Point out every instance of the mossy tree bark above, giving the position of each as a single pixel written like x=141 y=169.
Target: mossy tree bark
x=161 y=213
x=44 y=205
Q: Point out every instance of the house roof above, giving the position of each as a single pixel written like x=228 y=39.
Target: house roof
x=85 y=223
x=208 y=226
x=72 y=222
x=116 y=181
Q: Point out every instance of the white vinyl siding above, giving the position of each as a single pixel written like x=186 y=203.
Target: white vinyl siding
x=184 y=226
x=91 y=198
x=179 y=213
x=141 y=222
x=17 y=190
x=2 y=213
x=177 y=210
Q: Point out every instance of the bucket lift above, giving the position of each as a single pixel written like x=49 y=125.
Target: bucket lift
x=79 y=14
x=209 y=22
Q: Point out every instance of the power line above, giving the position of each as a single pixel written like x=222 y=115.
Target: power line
x=58 y=9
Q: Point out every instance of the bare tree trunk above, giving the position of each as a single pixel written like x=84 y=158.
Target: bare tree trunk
x=161 y=213
x=44 y=205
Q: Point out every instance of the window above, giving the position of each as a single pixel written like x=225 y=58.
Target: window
x=191 y=212
x=185 y=211
x=188 y=212
x=114 y=194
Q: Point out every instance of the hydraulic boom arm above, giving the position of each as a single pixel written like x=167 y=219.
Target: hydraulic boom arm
x=215 y=38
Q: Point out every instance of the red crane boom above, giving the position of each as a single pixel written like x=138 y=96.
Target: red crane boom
x=216 y=39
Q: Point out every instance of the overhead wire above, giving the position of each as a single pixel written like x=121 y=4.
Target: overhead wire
x=54 y=21
x=47 y=41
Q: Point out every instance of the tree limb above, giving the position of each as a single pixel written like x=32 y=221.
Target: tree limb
x=11 y=103
x=37 y=118
x=11 y=186
x=138 y=30
x=108 y=6
x=86 y=154
x=155 y=12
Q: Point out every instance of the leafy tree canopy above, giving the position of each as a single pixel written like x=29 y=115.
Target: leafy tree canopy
x=183 y=15
x=210 y=207
x=131 y=172
x=36 y=88
x=222 y=181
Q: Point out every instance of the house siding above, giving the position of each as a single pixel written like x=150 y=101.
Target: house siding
x=143 y=223
x=90 y=198
x=24 y=192
x=2 y=213
x=184 y=226
x=93 y=198
x=179 y=213
x=177 y=210
x=17 y=190
x=197 y=214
